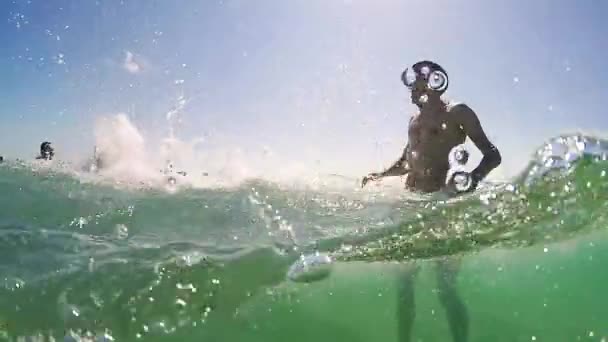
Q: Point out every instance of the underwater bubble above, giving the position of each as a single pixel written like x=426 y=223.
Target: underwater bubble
x=81 y=222
x=13 y=284
x=107 y=337
x=180 y=302
x=310 y=268
x=121 y=231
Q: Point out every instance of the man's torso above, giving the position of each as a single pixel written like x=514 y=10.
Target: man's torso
x=432 y=135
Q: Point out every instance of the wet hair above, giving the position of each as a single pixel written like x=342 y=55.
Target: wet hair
x=45 y=147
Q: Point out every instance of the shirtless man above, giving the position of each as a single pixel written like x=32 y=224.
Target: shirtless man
x=432 y=134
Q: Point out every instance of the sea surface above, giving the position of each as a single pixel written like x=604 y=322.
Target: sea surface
x=84 y=259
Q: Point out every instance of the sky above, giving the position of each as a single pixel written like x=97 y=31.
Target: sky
x=316 y=82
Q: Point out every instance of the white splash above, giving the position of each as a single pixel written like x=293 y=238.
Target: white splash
x=121 y=151
x=130 y=64
x=125 y=157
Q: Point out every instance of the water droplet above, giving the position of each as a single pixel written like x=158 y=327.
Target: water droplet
x=215 y=281
x=179 y=81
x=180 y=302
x=591 y=334
x=444 y=126
x=122 y=232
x=545 y=249
x=588 y=185
x=533 y=338
x=515 y=79
x=603 y=173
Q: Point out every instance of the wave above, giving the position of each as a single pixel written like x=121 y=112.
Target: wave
x=72 y=242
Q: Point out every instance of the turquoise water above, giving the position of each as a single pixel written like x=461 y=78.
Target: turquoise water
x=86 y=259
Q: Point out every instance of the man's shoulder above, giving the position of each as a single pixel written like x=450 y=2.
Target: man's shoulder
x=455 y=107
x=461 y=110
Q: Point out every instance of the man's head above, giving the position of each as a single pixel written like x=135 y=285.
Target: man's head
x=46 y=150
x=427 y=81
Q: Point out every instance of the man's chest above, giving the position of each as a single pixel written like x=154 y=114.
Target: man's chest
x=425 y=129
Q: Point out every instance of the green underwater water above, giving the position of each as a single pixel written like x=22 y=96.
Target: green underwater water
x=512 y=295
x=83 y=260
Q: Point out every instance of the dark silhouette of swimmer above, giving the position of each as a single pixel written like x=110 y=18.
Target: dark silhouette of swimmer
x=1 y=159
x=47 y=152
x=432 y=134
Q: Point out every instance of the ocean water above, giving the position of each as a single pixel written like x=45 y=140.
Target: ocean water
x=84 y=258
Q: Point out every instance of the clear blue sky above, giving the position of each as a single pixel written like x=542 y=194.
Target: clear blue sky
x=316 y=81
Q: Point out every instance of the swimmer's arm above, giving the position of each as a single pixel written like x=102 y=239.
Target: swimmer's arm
x=399 y=168
x=472 y=127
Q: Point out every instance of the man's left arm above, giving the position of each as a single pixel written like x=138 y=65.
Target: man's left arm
x=472 y=127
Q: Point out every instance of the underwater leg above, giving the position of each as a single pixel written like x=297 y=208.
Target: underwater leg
x=456 y=311
x=406 y=306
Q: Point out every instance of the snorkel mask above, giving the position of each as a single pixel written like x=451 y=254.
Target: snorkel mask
x=432 y=73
